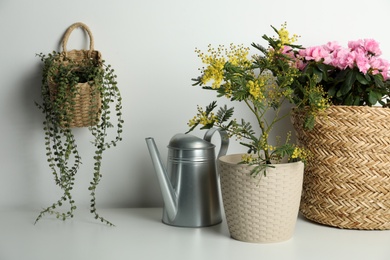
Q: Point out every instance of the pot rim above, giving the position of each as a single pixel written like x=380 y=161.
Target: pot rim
x=234 y=159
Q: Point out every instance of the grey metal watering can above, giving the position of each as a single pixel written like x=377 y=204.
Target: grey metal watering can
x=189 y=184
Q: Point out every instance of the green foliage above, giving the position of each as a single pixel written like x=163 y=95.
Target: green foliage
x=348 y=87
x=61 y=148
x=264 y=83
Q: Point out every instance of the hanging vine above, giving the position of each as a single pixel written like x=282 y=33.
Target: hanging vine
x=58 y=107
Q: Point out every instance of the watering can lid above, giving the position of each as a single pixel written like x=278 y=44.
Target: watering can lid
x=189 y=142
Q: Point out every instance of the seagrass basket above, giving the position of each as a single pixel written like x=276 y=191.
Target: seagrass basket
x=347 y=183
x=261 y=209
x=86 y=102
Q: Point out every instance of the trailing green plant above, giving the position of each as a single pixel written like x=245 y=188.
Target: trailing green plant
x=58 y=108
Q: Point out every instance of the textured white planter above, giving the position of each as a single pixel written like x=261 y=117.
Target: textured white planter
x=260 y=209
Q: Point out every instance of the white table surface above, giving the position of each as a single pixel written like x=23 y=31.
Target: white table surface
x=139 y=234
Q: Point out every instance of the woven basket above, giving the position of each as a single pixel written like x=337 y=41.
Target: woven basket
x=347 y=184
x=260 y=209
x=87 y=101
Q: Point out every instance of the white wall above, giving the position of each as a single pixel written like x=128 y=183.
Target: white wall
x=151 y=45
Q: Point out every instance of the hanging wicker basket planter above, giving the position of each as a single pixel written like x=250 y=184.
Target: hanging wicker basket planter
x=347 y=184
x=84 y=104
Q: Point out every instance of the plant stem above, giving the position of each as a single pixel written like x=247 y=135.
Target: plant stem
x=276 y=117
x=100 y=133
x=263 y=129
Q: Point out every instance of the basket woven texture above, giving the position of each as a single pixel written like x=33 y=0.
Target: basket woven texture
x=347 y=184
x=87 y=101
x=261 y=209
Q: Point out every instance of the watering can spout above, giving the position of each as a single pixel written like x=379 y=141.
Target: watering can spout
x=168 y=193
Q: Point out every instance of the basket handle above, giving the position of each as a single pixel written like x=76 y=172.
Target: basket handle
x=69 y=31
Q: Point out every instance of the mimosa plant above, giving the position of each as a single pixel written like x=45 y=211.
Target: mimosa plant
x=263 y=82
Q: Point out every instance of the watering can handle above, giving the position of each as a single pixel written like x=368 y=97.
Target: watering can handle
x=224 y=139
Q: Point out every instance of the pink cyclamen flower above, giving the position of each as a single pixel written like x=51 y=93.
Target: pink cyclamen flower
x=332 y=46
x=362 y=54
x=362 y=61
x=379 y=65
x=372 y=47
x=342 y=59
x=288 y=51
x=355 y=45
x=316 y=53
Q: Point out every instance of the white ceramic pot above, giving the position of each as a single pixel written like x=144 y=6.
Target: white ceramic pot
x=261 y=209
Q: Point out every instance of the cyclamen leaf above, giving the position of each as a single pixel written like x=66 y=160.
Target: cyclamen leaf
x=349 y=100
x=378 y=79
x=374 y=97
x=362 y=80
x=349 y=81
x=345 y=88
x=332 y=91
x=371 y=97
